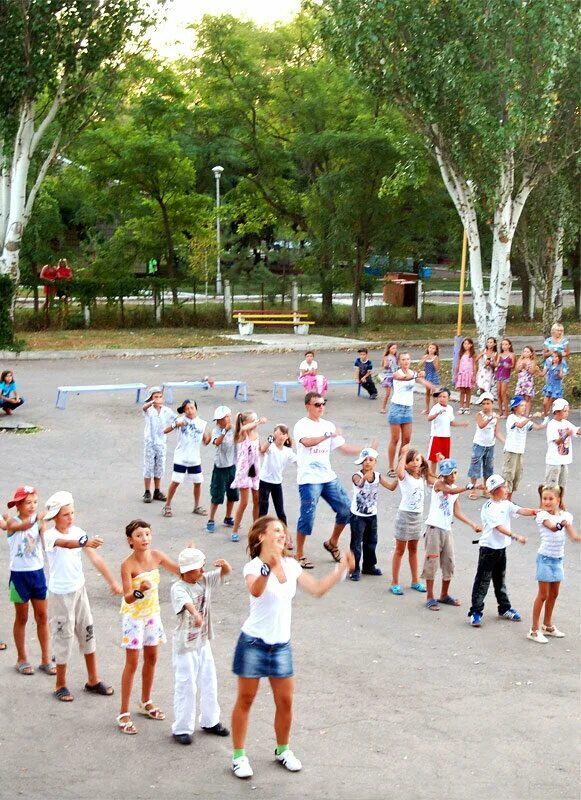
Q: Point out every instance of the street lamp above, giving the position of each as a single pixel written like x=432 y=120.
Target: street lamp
x=217 y=174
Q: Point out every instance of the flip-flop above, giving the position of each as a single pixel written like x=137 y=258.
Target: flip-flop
x=449 y=601
x=397 y=590
x=167 y=512
x=305 y=563
x=201 y=511
x=419 y=587
x=25 y=669
x=433 y=605
x=49 y=669
x=64 y=695
x=99 y=688
x=333 y=549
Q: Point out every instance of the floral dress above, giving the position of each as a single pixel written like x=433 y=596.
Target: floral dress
x=485 y=374
x=141 y=624
x=389 y=369
x=525 y=384
x=247 y=464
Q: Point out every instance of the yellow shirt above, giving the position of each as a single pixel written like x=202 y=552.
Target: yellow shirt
x=149 y=605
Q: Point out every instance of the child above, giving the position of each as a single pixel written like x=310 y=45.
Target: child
x=430 y=363
x=141 y=625
x=193 y=662
x=27 y=579
x=556 y=341
x=247 y=475
x=9 y=397
x=364 y=513
x=364 y=373
x=486 y=361
x=187 y=459
x=389 y=366
x=554 y=373
x=157 y=418
x=526 y=368
x=559 y=445
x=444 y=506
x=278 y=454
x=504 y=367
x=442 y=418
x=496 y=514
x=487 y=430
x=224 y=468
x=465 y=377
x=400 y=415
x=517 y=427
x=412 y=474
x=308 y=375
x=68 y=605
x=552 y=523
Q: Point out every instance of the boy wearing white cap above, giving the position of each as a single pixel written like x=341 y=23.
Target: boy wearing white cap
x=157 y=418
x=517 y=427
x=192 y=654
x=487 y=430
x=559 y=444
x=224 y=470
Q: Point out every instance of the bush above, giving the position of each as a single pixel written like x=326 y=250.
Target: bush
x=6 y=294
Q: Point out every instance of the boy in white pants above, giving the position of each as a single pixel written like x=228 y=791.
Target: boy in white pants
x=192 y=655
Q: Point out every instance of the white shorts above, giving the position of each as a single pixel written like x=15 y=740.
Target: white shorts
x=193 y=473
x=69 y=618
x=140 y=632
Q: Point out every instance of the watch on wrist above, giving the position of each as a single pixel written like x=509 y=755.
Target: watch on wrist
x=265 y=570
x=138 y=595
x=469 y=486
x=559 y=526
x=327 y=434
x=83 y=540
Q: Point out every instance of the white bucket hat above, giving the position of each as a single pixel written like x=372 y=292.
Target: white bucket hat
x=191 y=558
x=57 y=501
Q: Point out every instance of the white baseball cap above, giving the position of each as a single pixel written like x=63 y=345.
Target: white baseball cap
x=221 y=412
x=485 y=396
x=494 y=482
x=191 y=558
x=560 y=404
x=367 y=452
x=57 y=501
x=153 y=390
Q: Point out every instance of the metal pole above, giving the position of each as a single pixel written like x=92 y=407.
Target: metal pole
x=217 y=173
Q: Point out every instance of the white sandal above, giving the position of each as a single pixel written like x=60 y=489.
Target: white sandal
x=153 y=712
x=552 y=630
x=126 y=727
x=201 y=511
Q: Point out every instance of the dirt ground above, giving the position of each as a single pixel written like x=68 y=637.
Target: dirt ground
x=392 y=701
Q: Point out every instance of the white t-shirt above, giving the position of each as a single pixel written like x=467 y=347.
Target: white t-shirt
x=441 y=513
x=558 y=454
x=307 y=367
x=26 y=549
x=190 y=436
x=186 y=635
x=403 y=392
x=441 y=424
x=364 y=502
x=65 y=566
x=313 y=463
x=485 y=436
x=552 y=542
x=155 y=423
x=493 y=514
x=225 y=455
x=516 y=438
x=270 y=614
x=275 y=461
x=412 y=493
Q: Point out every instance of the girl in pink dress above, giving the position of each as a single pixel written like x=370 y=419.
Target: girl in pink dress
x=466 y=374
x=504 y=367
x=247 y=475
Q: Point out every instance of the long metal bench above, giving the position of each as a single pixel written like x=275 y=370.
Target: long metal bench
x=240 y=388
x=280 y=388
x=63 y=391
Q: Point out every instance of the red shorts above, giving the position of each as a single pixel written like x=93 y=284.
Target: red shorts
x=439 y=444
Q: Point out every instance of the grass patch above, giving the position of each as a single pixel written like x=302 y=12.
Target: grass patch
x=145 y=338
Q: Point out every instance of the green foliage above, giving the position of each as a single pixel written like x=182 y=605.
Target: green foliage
x=6 y=294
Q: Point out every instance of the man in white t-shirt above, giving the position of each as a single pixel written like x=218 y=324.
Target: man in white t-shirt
x=559 y=444
x=315 y=438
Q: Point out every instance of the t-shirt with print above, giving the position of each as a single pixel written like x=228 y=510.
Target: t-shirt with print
x=65 y=565
x=493 y=514
x=485 y=436
x=26 y=549
x=562 y=453
x=190 y=436
x=441 y=513
x=314 y=463
x=270 y=614
x=363 y=366
x=441 y=423
x=516 y=438
x=156 y=422
x=187 y=636
x=225 y=455
x=276 y=459
x=412 y=493
x=364 y=502
x=552 y=542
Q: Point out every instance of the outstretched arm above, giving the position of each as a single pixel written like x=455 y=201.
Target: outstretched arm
x=317 y=588
x=101 y=566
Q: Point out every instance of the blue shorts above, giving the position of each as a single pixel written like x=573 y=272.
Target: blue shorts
x=254 y=658
x=399 y=415
x=25 y=586
x=333 y=493
x=549 y=569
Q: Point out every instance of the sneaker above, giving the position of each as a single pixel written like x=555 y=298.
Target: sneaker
x=553 y=631
x=183 y=738
x=241 y=767
x=147 y=496
x=475 y=619
x=229 y=522
x=210 y=526
x=159 y=495
x=537 y=636
x=372 y=571
x=218 y=730
x=511 y=614
x=234 y=537
x=355 y=576
x=289 y=760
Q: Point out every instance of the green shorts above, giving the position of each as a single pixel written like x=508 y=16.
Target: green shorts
x=222 y=477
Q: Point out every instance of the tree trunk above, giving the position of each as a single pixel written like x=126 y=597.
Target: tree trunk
x=326 y=276
x=548 y=291
x=355 y=300
x=170 y=248
x=576 y=277
x=519 y=269
x=557 y=294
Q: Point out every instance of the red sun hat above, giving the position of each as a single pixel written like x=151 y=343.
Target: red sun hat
x=21 y=494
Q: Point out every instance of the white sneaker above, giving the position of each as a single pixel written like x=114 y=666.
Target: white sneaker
x=289 y=760
x=537 y=636
x=241 y=767
x=553 y=631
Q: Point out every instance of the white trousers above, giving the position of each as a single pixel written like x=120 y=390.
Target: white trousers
x=195 y=671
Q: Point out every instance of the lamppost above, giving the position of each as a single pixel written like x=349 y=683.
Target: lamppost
x=217 y=174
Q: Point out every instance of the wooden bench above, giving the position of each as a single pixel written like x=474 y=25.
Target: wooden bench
x=280 y=388
x=247 y=319
x=63 y=391
x=240 y=388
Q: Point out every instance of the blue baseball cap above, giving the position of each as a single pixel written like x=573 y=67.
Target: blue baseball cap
x=447 y=466
x=516 y=401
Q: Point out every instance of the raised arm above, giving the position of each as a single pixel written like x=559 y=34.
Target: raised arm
x=317 y=588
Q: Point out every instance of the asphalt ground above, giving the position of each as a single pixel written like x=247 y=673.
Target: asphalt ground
x=392 y=701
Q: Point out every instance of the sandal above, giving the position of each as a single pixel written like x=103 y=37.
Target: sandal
x=449 y=601
x=473 y=496
x=3 y=645
x=64 y=695
x=200 y=511
x=49 y=669
x=305 y=563
x=433 y=605
x=25 y=668
x=126 y=727
x=396 y=589
x=167 y=512
x=334 y=550
x=419 y=587
x=153 y=712
x=99 y=688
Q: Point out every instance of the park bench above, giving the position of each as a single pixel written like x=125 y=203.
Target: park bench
x=280 y=388
x=248 y=318
x=63 y=391
x=240 y=388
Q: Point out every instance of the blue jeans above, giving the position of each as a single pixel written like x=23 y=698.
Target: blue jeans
x=482 y=461
x=364 y=540
x=332 y=493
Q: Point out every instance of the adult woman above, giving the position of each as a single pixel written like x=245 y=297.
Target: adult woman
x=263 y=649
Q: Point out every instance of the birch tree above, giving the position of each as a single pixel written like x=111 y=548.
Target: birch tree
x=491 y=88
x=52 y=52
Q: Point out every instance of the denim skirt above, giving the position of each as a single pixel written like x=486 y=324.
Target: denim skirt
x=399 y=415
x=549 y=569
x=254 y=658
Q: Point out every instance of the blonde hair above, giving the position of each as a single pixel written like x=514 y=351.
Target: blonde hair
x=257 y=531
x=242 y=417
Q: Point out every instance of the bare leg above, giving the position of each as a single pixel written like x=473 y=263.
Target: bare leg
x=413 y=558
x=147 y=484
x=406 y=433
x=301 y=538
x=334 y=540
x=540 y=599
x=255 y=504
x=173 y=487
x=61 y=680
x=19 y=631
x=127 y=677
x=241 y=508
x=395 y=432
x=148 y=672
x=283 y=691
x=156 y=483
x=40 y=608
x=229 y=508
x=197 y=494
x=396 y=561
x=91 y=664
x=213 y=509
x=550 y=604
x=247 y=689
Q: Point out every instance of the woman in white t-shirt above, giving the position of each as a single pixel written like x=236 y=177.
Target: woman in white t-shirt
x=552 y=522
x=400 y=416
x=263 y=649
x=309 y=377
x=278 y=454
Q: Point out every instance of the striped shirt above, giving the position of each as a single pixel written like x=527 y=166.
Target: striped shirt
x=552 y=542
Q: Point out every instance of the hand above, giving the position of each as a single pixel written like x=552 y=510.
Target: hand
x=477 y=528
x=144 y=586
x=521 y=539
x=262 y=420
x=421 y=374
x=464 y=424
x=198 y=620
x=116 y=589
x=338 y=432
x=95 y=542
x=348 y=561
